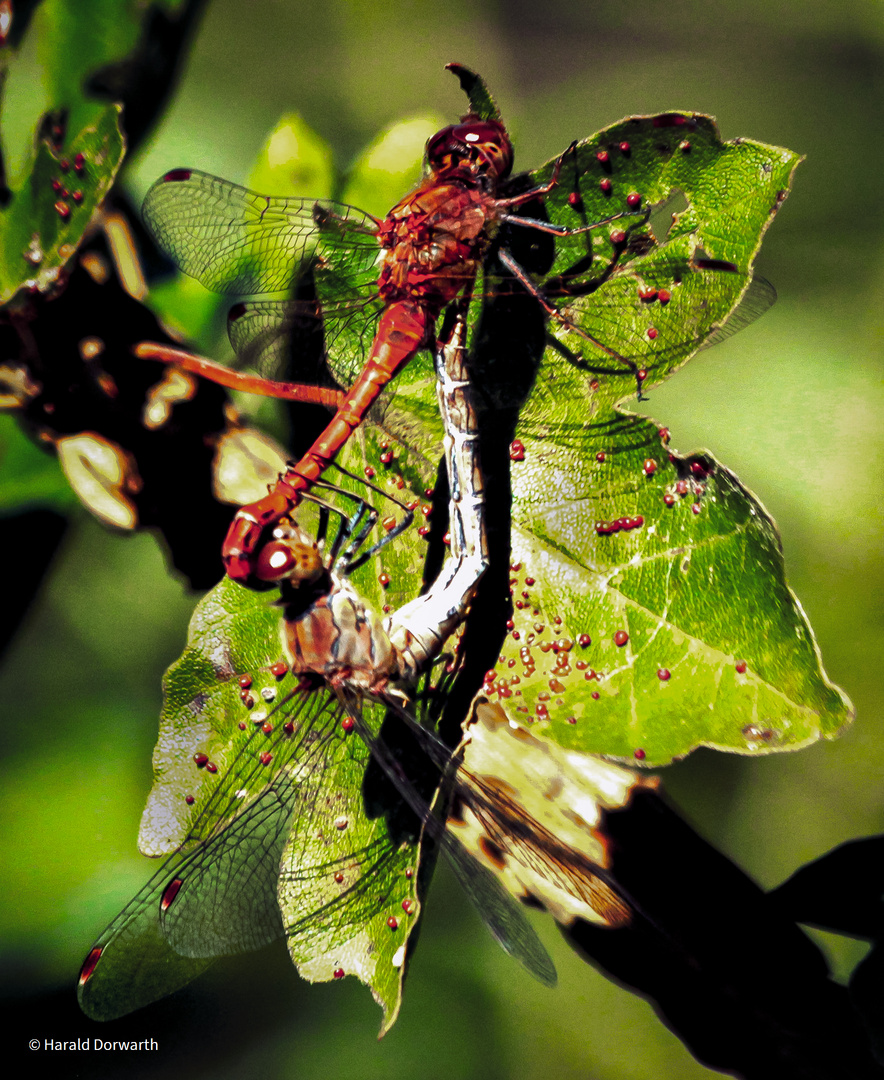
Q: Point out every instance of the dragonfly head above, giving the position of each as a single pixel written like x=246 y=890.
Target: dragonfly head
x=480 y=147
x=290 y=556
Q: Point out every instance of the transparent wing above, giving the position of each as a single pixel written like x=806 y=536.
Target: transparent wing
x=500 y=912
x=235 y=241
x=217 y=894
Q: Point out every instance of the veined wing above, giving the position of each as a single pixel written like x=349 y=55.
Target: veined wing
x=533 y=813
x=336 y=328
x=235 y=241
x=500 y=912
x=217 y=894
x=653 y=314
x=526 y=820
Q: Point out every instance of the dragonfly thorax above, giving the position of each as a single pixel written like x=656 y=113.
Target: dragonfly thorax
x=341 y=639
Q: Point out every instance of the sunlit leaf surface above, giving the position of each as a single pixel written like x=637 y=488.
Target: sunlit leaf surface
x=45 y=220
x=652 y=613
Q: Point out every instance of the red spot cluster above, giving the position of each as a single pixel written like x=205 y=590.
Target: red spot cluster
x=604 y=528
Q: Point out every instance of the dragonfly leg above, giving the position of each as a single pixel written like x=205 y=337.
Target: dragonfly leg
x=510 y=263
x=420 y=628
x=238 y=380
x=566 y=230
x=542 y=189
x=402 y=330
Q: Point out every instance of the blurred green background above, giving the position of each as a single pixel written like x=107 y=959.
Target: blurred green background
x=793 y=405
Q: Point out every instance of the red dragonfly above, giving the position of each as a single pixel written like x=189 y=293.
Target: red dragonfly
x=429 y=247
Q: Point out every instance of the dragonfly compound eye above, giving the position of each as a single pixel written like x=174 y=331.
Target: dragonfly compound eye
x=480 y=146
x=289 y=560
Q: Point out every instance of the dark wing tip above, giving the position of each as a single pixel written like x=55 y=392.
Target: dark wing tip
x=176 y=176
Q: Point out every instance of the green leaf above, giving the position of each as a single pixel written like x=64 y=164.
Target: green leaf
x=481 y=102
x=294 y=161
x=28 y=475
x=694 y=210
x=390 y=165
x=644 y=642
x=666 y=567
x=42 y=226
x=76 y=38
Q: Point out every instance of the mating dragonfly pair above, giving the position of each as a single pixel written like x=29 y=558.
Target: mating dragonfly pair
x=430 y=249
x=251 y=849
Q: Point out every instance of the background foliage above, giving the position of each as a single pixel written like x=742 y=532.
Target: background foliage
x=791 y=405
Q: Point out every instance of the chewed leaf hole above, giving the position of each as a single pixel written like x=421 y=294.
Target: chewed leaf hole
x=663 y=214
